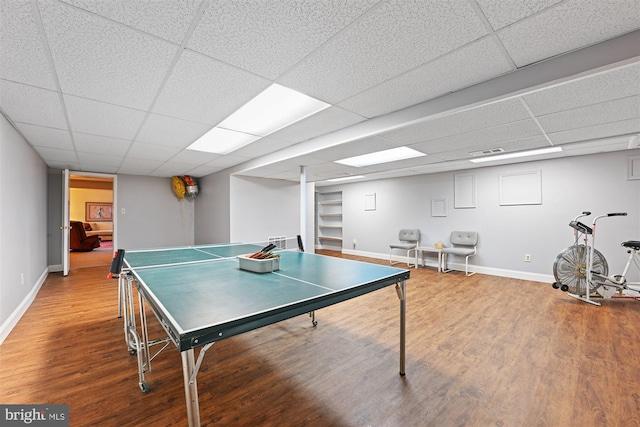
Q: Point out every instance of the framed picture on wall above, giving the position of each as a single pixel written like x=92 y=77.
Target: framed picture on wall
x=98 y=211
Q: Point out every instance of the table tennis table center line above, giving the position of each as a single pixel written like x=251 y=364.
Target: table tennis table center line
x=304 y=281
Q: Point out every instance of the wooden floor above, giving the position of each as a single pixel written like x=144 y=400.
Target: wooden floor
x=481 y=351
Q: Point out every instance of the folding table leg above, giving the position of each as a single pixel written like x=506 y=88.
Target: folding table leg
x=401 y=289
x=190 y=388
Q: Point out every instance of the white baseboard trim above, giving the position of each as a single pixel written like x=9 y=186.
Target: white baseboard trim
x=13 y=319
x=55 y=268
x=513 y=274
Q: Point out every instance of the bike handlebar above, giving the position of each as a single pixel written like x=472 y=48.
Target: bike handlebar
x=617 y=214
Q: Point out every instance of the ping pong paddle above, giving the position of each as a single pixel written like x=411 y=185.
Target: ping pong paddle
x=263 y=252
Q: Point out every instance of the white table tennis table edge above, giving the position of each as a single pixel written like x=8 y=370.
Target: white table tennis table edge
x=182 y=331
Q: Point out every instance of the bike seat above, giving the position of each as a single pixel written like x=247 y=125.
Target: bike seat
x=633 y=244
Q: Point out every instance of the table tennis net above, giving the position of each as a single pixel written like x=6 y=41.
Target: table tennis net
x=205 y=253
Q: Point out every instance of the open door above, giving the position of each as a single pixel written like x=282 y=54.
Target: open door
x=65 y=222
x=71 y=180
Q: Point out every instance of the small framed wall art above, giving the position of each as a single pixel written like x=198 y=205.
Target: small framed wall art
x=99 y=211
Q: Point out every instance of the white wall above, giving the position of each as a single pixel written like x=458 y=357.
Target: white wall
x=261 y=208
x=212 y=209
x=258 y=209
x=23 y=225
x=154 y=217
x=570 y=185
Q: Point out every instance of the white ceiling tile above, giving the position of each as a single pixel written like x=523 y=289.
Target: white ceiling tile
x=263 y=172
x=56 y=154
x=623 y=127
x=262 y=146
x=501 y=13
x=195 y=158
x=46 y=137
x=596 y=114
x=472 y=64
x=99 y=59
x=385 y=55
x=95 y=164
x=166 y=19
x=64 y=164
x=95 y=159
x=326 y=121
x=376 y=48
x=156 y=152
x=607 y=86
x=29 y=104
x=494 y=137
x=269 y=37
x=170 y=131
x=204 y=90
x=87 y=143
x=19 y=34
x=203 y=170
x=570 y=25
x=227 y=161
x=172 y=169
x=98 y=118
x=487 y=116
x=139 y=166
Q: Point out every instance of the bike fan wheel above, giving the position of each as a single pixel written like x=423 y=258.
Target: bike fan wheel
x=570 y=268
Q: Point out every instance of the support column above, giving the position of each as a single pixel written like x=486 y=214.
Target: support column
x=303 y=205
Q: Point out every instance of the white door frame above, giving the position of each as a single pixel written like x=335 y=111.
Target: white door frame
x=65 y=212
x=65 y=222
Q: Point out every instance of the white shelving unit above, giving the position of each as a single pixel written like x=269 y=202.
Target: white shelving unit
x=329 y=220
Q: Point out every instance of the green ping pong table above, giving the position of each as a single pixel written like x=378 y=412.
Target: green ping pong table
x=200 y=296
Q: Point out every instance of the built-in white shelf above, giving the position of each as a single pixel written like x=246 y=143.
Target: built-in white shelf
x=329 y=220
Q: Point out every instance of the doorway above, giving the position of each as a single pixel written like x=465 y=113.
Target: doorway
x=91 y=205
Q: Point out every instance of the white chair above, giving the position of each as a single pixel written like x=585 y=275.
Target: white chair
x=464 y=244
x=409 y=239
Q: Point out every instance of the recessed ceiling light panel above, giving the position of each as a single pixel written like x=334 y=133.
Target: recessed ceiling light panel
x=346 y=178
x=384 y=156
x=273 y=109
x=222 y=141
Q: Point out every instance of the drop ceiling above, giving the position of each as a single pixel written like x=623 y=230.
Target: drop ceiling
x=124 y=86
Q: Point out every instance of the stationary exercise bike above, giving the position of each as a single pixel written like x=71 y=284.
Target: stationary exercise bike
x=582 y=271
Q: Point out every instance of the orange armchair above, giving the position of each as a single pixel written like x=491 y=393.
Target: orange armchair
x=78 y=239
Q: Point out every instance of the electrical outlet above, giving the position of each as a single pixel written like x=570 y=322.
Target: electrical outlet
x=527 y=257
x=354 y=243
x=22 y=278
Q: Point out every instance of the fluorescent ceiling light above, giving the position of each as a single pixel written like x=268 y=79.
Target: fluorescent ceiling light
x=519 y=154
x=222 y=141
x=273 y=109
x=346 y=178
x=391 y=155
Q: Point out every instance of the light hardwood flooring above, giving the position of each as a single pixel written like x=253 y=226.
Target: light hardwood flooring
x=481 y=351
